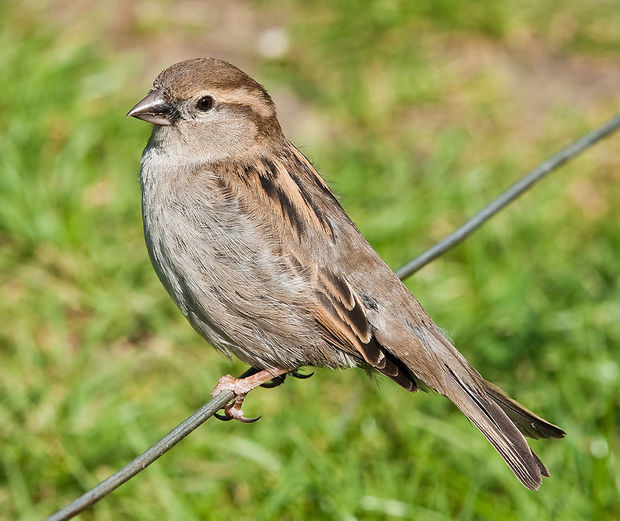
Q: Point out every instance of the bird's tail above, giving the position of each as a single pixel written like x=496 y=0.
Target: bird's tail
x=503 y=421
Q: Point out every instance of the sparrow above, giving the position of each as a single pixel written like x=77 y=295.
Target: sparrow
x=260 y=257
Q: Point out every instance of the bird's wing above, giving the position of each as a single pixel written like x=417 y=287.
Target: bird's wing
x=406 y=337
x=399 y=339
x=342 y=315
x=298 y=212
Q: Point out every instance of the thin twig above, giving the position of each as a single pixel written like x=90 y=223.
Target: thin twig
x=206 y=411
x=145 y=459
x=508 y=196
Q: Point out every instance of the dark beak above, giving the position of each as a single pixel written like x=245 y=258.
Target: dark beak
x=154 y=109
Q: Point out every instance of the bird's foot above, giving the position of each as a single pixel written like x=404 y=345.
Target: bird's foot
x=241 y=387
x=233 y=411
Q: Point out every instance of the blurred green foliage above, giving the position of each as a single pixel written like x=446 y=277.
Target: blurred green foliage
x=426 y=111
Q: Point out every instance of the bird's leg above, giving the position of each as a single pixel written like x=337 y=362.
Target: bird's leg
x=241 y=387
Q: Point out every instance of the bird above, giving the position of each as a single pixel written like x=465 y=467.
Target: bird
x=263 y=261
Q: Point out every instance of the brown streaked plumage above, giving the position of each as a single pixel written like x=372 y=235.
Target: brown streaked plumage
x=263 y=261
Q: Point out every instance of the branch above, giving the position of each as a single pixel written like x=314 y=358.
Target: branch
x=145 y=459
x=206 y=411
x=508 y=196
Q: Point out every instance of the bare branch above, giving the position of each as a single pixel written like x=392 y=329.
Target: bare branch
x=145 y=459
x=206 y=411
x=508 y=196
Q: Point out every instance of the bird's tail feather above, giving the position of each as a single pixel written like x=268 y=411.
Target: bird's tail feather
x=530 y=424
x=497 y=427
x=502 y=420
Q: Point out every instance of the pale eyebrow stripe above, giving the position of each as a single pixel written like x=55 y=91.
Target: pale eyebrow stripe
x=244 y=96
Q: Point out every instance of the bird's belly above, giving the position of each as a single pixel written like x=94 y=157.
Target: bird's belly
x=228 y=283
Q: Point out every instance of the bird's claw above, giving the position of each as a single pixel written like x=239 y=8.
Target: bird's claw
x=222 y=417
x=278 y=380
x=233 y=412
x=241 y=418
x=297 y=374
x=248 y=420
x=242 y=386
x=274 y=382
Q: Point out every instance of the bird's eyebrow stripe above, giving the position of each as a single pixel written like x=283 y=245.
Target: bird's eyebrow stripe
x=243 y=96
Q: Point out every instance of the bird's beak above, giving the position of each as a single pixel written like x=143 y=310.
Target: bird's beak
x=154 y=109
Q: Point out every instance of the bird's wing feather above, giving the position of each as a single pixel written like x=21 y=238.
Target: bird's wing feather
x=340 y=311
x=419 y=348
x=307 y=223
x=401 y=340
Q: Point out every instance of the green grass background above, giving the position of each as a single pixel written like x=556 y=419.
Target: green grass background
x=417 y=113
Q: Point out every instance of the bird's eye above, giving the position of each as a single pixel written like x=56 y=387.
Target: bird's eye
x=205 y=103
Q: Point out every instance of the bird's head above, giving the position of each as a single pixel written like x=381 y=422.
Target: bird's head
x=211 y=107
